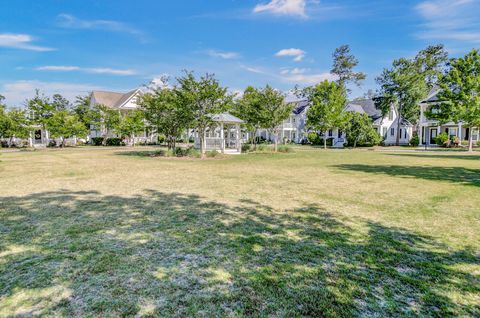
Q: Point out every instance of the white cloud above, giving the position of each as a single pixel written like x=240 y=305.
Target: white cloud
x=296 y=53
x=450 y=20
x=93 y=70
x=300 y=76
x=21 y=41
x=283 y=7
x=69 y=21
x=255 y=70
x=17 y=92
x=294 y=71
x=223 y=55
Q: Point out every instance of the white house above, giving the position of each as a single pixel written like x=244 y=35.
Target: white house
x=429 y=129
x=386 y=126
x=123 y=102
x=294 y=128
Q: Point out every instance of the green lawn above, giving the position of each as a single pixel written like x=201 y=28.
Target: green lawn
x=336 y=233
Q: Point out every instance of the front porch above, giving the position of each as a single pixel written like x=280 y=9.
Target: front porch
x=428 y=133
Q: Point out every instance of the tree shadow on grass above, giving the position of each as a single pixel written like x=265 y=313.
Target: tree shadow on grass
x=461 y=175
x=170 y=254
x=466 y=156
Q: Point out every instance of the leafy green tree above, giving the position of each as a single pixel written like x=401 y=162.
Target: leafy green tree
x=106 y=119
x=407 y=82
x=359 y=130
x=132 y=124
x=83 y=110
x=202 y=99
x=40 y=111
x=251 y=108
x=164 y=112
x=343 y=64
x=328 y=100
x=14 y=124
x=60 y=103
x=64 y=124
x=274 y=111
x=459 y=98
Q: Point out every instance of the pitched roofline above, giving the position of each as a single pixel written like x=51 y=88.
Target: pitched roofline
x=132 y=93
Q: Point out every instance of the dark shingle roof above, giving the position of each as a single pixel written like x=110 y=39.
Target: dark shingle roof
x=300 y=106
x=367 y=106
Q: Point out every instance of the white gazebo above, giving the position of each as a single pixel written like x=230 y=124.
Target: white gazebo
x=225 y=136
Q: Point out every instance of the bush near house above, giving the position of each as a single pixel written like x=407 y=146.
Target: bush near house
x=313 y=138
x=415 y=141
x=96 y=141
x=115 y=142
x=442 y=140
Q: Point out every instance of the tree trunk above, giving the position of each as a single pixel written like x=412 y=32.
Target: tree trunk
x=202 y=143
x=63 y=142
x=325 y=140
x=355 y=144
x=10 y=142
x=470 y=140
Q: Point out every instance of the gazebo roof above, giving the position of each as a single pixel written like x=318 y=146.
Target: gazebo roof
x=226 y=118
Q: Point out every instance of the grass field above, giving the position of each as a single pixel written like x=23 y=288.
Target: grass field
x=336 y=233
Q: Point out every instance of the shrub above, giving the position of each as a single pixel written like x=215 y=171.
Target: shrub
x=96 y=141
x=415 y=141
x=192 y=152
x=246 y=147
x=52 y=143
x=179 y=152
x=212 y=153
x=114 y=142
x=442 y=139
x=191 y=140
x=3 y=144
x=284 y=148
x=261 y=147
x=314 y=138
x=161 y=139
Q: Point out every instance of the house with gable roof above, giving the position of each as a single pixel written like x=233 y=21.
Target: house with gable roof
x=123 y=102
x=294 y=128
x=429 y=129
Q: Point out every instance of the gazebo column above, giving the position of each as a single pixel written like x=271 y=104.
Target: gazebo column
x=228 y=136
x=222 y=138
x=239 y=147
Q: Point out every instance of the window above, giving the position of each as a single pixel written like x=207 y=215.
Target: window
x=390 y=115
x=330 y=133
x=400 y=132
x=405 y=134
x=339 y=133
x=392 y=131
x=384 y=132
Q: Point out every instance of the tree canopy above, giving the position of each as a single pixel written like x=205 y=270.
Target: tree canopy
x=343 y=64
x=459 y=98
x=328 y=101
x=202 y=98
x=408 y=82
x=164 y=112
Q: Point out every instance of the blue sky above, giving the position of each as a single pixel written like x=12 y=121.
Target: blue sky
x=72 y=47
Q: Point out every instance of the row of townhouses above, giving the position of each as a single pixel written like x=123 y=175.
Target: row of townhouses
x=229 y=135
